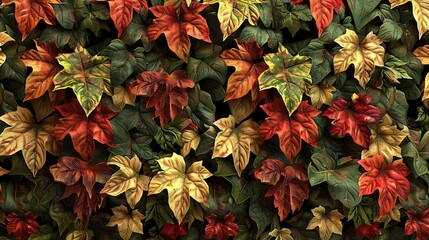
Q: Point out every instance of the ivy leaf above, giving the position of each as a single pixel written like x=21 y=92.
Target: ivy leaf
x=327 y=223
x=418 y=223
x=188 y=23
x=353 y=118
x=186 y=184
x=323 y=12
x=290 y=129
x=4 y=38
x=85 y=129
x=29 y=13
x=87 y=75
x=288 y=74
x=364 y=56
x=363 y=12
x=206 y=63
x=127 y=179
x=291 y=188
x=291 y=16
x=394 y=214
x=261 y=36
x=32 y=137
x=167 y=93
x=390 y=180
x=127 y=223
x=420 y=13
x=190 y=140
x=23 y=226
x=238 y=141
x=121 y=97
x=232 y=14
x=221 y=227
x=320 y=94
x=245 y=60
x=282 y=234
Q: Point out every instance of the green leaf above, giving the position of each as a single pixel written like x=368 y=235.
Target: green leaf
x=200 y=108
x=158 y=210
x=87 y=75
x=207 y=141
x=393 y=71
x=206 y=63
x=65 y=14
x=363 y=12
x=239 y=188
x=390 y=31
x=291 y=16
x=13 y=69
x=62 y=216
x=363 y=213
x=260 y=208
x=261 y=36
x=46 y=232
x=167 y=137
x=418 y=199
x=321 y=60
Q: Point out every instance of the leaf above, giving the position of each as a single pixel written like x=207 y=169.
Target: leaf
x=385 y=140
x=121 y=97
x=166 y=92
x=201 y=108
x=261 y=36
x=173 y=231
x=241 y=108
x=238 y=141
x=422 y=54
x=420 y=12
x=32 y=137
x=342 y=178
x=4 y=38
x=221 y=227
x=288 y=74
x=180 y=185
x=363 y=12
x=282 y=234
x=418 y=223
x=290 y=129
x=85 y=129
x=190 y=140
x=127 y=223
x=353 y=118
x=23 y=226
x=365 y=56
x=232 y=14
x=288 y=185
x=29 y=13
x=205 y=63
x=368 y=231
x=327 y=223
x=390 y=180
x=121 y=12
x=323 y=12
x=425 y=97
x=178 y=28
x=247 y=66
x=127 y=179
x=291 y=16
x=394 y=214
x=87 y=75
x=62 y=216
x=320 y=94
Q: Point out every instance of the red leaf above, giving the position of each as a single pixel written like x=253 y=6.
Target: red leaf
x=167 y=93
x=177 y=29
x=223 y=228
x=368 y=231
x=389 y=180
x=84 y=130
x=353 y=118
x=418 y=223
x=22 y=227
x=121 y=12
x=323 y=12
x=290 y=129
x=172 y=231
x=292 y=189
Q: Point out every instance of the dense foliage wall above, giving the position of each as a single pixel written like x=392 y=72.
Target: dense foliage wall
x=244 y=119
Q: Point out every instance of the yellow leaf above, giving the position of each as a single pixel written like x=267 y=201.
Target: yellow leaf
x=42 y=107
x=394 y=214
x=238 y=141
x=127 y=179
x=121 y=96
x=180 y=185
x=320 y=94
x=283 y=234
x=4 y=38
x=364 y=56
x=425 y=97
x=327 y=223
x=190 y=140
x=420 y=12
x=80 y=235
x=127 y=224
x=385 y=139
x=3 y=171
x=422 y=54
x=242 y=107
x=195 y=212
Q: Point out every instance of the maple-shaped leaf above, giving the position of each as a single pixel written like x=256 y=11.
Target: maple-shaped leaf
x=69 y=170
x=368 y=231
x=121 y=12
x=232 y=14
x=127 y=179
x=282 y=234
x=127 y=223
x=4 y=38
x=178 y=28
x=327 y=223
x=394 y=214
x=385 y=140
x=290 y=129
x=418 y=223
x=247 y=66
x=238 y=141
x=323 y=12
x=85 y=129
x=365 y=56
x=181 y=185
x=320 y=94
x=173 y=231
x=32 y=137
x=390 y=180
x=353 y=118
x=190 y=140
x=288 y=74
x=420 y=13
x=121 y=97
x=22 y=226
x=221 y=227
x=288 y=185
x=88 y=76
x=166 y=92
x=45 y=66
x=28 y=13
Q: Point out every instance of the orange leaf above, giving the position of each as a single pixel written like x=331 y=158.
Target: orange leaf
x=323 y=12
x=121 y=12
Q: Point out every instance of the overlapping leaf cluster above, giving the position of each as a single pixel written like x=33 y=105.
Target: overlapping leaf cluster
x=257 y=119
